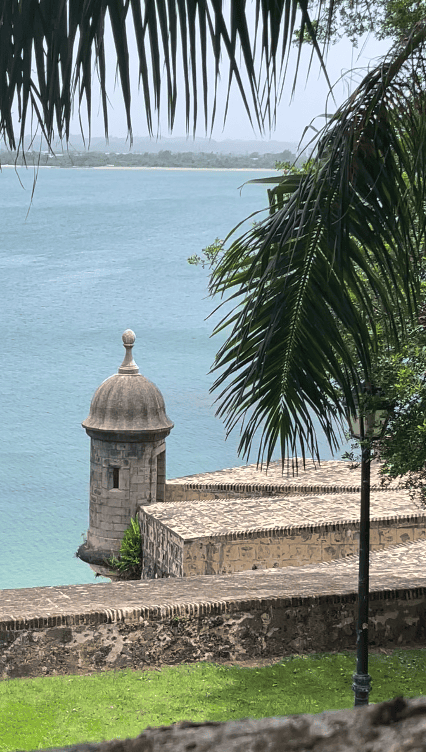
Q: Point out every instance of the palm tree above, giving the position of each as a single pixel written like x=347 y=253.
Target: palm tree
x=307 y=279
x=307 y=283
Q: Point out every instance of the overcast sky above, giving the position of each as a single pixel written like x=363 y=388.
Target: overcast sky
x=293 y=116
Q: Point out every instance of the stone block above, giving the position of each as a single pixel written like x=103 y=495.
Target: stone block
x=140 y=489
x=231 y=552
x=117 y=495
x=310 y=554
x=120 y=528
x=349 y=549
x=101 y=526
x=270 y=547
x=124 y=480
x=387 y=536
x=338 y=536
x=198 y=550
x=404 y=533
x=330 y=552
x=247 y=551
x=214 y=551
x=120 y=519
x=193 y=568
x=103 y=542
x=306 y=535
x=120 y=506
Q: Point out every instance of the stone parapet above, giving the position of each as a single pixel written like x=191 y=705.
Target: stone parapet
x=331 y=476
x=256 y=614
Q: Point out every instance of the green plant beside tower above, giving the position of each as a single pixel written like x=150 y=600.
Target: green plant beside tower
x=128 y=565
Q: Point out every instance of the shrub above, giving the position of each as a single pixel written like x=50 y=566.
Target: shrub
x=128 y=565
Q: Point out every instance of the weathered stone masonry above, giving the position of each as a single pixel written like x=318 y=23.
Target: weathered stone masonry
x=257 y=614
x=127 y=425
x=111 y=508
x=229 y=535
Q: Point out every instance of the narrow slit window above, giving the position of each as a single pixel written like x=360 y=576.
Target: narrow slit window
x=116 y=477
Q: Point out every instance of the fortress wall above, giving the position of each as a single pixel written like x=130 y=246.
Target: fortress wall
x=74 y=641
x=167 y=554
x=296 y=547
x=254 y=614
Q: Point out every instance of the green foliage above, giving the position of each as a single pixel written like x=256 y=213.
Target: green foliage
x=55 y=711
x=403 y=449
x=129 y=563
x=329 y=284
x=398 y=370
x=284 y=186
x=212 y=254
x=295 y=168
x=400 y=16
x=386 y=19
x=398 y=366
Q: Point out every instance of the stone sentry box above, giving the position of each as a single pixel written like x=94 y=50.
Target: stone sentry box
x=127 y=426
x=227 y=536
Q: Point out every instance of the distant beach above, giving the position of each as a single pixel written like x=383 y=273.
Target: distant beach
x=186 y=169
x=119 y=167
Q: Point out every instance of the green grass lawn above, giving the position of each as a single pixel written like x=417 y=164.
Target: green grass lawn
x=62 y=710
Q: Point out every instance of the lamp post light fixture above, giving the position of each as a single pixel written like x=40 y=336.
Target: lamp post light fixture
x=365 y=427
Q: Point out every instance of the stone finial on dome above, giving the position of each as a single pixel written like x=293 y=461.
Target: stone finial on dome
x=128 y=365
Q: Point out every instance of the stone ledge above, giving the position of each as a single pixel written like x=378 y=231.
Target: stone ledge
x=392 y=726
x=331 y=476
x=396 y=572
x=230 y=518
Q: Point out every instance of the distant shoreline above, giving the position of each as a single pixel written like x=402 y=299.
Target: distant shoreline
x=118 y=167
x=185 y=169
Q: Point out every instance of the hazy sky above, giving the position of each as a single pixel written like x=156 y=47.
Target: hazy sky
x=309 y=100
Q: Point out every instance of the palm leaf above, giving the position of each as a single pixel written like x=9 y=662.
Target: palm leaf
x=47 y=48
x=306 y=282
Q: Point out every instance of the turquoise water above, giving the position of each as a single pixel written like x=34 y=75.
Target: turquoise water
x=99 y=252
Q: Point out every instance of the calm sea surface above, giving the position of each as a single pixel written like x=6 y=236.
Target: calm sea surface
x=99 y=252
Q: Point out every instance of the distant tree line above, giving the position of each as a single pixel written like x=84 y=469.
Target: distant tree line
x=159 y=159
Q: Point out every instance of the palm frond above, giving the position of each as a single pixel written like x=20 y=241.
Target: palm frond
x=306 y=282
x=47 y=49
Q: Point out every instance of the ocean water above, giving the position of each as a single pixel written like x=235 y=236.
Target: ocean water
x=98 y=252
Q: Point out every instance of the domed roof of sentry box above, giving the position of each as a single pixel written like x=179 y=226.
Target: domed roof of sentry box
x=127 y=402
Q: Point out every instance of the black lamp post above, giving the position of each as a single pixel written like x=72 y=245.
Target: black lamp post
x=365 y=428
